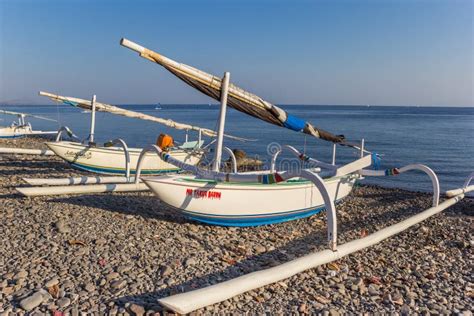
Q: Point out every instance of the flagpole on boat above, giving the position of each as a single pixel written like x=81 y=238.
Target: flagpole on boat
x=220 y=131
x=91 y=135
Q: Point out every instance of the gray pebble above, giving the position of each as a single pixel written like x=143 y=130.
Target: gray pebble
x=63 y=302
x=31 y=301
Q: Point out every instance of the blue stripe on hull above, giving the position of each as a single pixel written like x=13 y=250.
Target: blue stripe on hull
x=119 y=171
x=253 y=220
x=14 y=136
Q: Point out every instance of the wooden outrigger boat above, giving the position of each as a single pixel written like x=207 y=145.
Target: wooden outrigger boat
x=241 y=199
x=216 y=198
x=21 y=128
x=109 y=159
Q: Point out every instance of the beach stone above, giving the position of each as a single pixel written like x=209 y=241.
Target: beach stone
x=405 y=310
x=20 y=275
x=373 y=290
x=260 y=249
x=62 y=227
x=303 y=308
x=100 y=241
x=63 y=302
x=166 y=270
x=89 y=287
x=124 y=268
x=137 y=309
x=112 y=276
x=81 y=251
x=333 y=312
x=67 y=284
x=189 y=262
x=118 y=284
x=31 y=301
x=51 y=282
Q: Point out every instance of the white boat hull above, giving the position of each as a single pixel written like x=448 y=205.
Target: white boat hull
x=238 y=204
x=21 y=131
x=111 y=160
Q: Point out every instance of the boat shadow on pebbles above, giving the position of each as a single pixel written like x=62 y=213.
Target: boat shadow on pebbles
x=14 y=168
x=143 y=205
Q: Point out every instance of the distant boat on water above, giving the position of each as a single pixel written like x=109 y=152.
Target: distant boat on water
x=158 y=107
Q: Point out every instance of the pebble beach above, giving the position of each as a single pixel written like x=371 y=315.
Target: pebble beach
x=117 y=254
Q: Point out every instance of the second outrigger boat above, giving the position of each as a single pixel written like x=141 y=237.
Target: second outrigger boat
x=22 y=128
x=109 y=159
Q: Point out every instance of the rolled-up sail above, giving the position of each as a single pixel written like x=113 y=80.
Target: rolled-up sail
x=102 y=107
x=238 y=98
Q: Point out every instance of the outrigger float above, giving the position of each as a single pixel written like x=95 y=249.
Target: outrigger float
x=215 y=197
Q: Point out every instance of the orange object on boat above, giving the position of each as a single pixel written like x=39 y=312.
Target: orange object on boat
x=164 y=141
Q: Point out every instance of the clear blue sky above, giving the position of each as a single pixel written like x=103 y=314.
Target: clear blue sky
x=288 y=52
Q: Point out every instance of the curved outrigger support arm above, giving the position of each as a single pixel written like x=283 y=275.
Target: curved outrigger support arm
x=328 y=202
x=150 y=148
x=121 y=142
x=234 y=160
x=68 y=132
x=395 y=171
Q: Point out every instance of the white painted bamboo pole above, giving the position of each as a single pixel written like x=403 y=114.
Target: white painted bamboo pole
x=26 y=151
x=91 y=135
x=220 y=131
x=187 y=302
x=465 y=188
x=78 y=180
x=82 y=189
x=455 y=192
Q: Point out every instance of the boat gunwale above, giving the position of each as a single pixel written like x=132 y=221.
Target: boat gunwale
x=285 y=185
x=111 y=150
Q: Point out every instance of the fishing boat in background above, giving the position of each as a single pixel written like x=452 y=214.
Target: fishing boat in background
x=21 y=128
x=158 y=107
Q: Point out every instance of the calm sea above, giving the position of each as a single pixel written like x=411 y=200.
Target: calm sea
x=440 y=137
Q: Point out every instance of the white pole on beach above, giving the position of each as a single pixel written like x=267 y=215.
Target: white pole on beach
x=333 y=154
x=91 y=135
x=220 y=131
